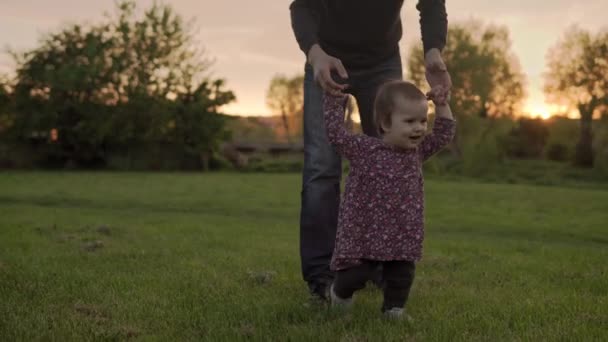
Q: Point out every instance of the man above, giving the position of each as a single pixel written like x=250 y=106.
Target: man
x=358 y=40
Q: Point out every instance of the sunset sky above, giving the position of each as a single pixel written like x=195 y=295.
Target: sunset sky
x=252 y=40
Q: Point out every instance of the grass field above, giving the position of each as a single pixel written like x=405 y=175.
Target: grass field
x=214 y=257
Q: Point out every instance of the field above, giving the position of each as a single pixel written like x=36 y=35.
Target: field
x=214 y=257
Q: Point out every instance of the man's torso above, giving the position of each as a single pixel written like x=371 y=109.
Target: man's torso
x=360 y=32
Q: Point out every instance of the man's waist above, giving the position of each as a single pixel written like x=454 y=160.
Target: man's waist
x=353 y=58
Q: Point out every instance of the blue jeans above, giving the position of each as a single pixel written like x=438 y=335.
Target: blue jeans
x=323 y=166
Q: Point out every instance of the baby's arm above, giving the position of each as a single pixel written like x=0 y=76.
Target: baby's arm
x=444 y=129
x=444 y=111
x=349 y=145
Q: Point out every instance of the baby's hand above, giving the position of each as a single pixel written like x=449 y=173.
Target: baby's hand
x=439 y=95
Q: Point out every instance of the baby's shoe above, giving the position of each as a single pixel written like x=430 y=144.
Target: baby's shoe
x=337 y=302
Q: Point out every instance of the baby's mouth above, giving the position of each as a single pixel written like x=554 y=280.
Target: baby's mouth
x=415 y=138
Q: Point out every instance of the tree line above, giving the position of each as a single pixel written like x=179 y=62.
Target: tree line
x=130 y=81
x=124 y=82
x=489 y=90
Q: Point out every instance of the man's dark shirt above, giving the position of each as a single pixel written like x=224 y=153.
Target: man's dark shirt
x=362 y=33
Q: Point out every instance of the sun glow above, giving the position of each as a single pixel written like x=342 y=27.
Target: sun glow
x=538 y=110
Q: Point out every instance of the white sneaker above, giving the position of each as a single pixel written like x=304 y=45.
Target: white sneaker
x=337 y=302
x=397 y=314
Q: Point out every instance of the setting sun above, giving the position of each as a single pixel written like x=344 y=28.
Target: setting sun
x=544 y=115
x=538 y=110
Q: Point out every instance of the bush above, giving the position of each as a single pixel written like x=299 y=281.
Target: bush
x=601 y=146
x=527 y=140
x=561 y=142
x=557 y=152
x=479 y=143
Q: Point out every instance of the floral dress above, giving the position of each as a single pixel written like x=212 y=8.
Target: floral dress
x=382 y=209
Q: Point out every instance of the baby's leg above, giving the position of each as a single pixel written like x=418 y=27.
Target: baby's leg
x=352 y=279
x=398 y=279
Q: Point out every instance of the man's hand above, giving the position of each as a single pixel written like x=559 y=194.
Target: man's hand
x=322 y=65
x=439 y=95
x=441 y=99
x=436 y=71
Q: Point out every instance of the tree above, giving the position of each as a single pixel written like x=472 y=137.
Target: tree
x=6 y=102
x=285 y=97
x=487 y=82
x=124 y=81
x=486 y=76
x=577 y=77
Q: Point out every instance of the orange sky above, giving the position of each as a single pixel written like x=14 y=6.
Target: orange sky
x=252 y=40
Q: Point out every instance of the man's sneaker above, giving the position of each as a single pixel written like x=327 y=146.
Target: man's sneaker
x=397 y=314
x=337 y=302
x=319 y=293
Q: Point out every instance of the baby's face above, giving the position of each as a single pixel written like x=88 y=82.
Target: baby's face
x=408 y=123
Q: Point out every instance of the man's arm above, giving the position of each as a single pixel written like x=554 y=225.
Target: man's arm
x=305 y=18
x=434 y=27
x=433 y=24
x=305 y=21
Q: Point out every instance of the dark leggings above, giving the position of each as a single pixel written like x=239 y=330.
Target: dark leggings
x=397 y=275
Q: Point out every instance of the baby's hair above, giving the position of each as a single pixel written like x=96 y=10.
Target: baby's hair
x=385 y=100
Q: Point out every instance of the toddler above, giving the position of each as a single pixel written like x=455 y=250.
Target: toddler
x=382 y=208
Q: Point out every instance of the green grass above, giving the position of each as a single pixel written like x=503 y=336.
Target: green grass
x=215 y=257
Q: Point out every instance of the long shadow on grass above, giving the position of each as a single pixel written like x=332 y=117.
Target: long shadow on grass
x=205 y=208
x=270 y=213
x=536 y=236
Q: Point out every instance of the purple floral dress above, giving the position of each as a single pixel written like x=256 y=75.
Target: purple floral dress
x=382 y=210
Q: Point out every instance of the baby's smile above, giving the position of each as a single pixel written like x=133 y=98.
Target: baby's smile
x=415 y=139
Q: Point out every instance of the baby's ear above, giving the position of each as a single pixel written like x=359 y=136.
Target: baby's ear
x=385 y=124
